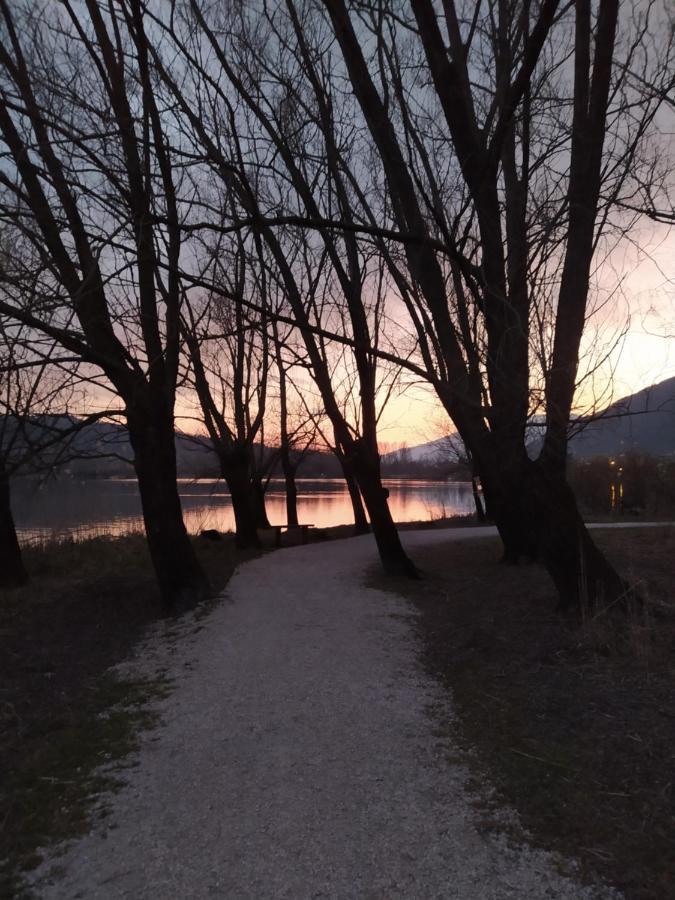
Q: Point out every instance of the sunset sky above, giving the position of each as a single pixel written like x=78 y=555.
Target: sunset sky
x=644 y=303
x=645 y=356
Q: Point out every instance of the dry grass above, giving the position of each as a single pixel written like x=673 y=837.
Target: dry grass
x=61 y=715
x=572 y=721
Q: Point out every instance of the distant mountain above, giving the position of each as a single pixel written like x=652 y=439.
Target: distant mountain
x=643 y=422
x=103 y=449
x=422 y=453
x=98 y=449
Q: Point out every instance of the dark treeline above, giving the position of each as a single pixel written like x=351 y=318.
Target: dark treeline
x=630 y=484
x=273 y=218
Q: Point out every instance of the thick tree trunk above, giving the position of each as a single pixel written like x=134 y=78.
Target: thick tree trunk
x=580 y=571
x=12 y=571
x=235 y=470
x=537 y=518
x=181 y=579
x=514 y=517
x=508 y=500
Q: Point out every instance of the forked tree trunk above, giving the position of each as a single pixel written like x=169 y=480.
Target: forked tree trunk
x=12 y=571
x=234 y=467
x=181 y=579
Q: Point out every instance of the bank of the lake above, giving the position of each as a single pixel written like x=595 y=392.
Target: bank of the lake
x=95 y=507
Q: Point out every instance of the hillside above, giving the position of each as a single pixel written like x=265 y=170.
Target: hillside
x=99 y=449
x=643 y=422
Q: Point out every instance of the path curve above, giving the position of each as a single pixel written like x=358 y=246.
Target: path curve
x=298 y=758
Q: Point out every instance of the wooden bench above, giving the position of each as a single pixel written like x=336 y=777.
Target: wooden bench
x=289 y=529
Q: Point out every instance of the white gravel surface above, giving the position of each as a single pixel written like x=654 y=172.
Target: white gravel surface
x=299 y=757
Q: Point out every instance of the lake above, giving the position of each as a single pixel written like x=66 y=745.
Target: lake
x=83 y=509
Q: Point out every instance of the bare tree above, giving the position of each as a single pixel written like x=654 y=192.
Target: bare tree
x=535 y=171
x=297 y=433
x=39 y=435
x=87 y=172
x=453 y=449
x=429 y=187
x=225 y=76
x=229 y=352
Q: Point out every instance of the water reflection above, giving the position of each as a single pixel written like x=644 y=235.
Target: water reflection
x=112 y=506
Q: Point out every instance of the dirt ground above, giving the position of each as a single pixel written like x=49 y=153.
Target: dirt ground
x=85 y=608
x=571 y=718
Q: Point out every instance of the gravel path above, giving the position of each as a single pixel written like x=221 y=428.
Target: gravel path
x=299 y=758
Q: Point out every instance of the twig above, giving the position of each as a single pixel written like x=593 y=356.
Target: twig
x=548 y=762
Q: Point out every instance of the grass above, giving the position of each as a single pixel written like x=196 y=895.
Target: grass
x=62 y=713
x=60 y=786
x=572 y=721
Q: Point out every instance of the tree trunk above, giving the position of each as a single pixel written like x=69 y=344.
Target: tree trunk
x=514 y=517
x=477 y=499
x=508 y=500
x=580 y=571
x=258 y=497
x=12 y=571
x=234 y=467
x=537 y=518
x=181 y=579
x=291 y=494
x=361 y=525
x=375 y=496
x=478 y=503
x=394 y=558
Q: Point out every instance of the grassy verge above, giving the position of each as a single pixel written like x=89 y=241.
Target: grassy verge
x=573 y=722
x=62 y=714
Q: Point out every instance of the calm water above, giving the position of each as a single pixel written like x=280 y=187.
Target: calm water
x=112 y=506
